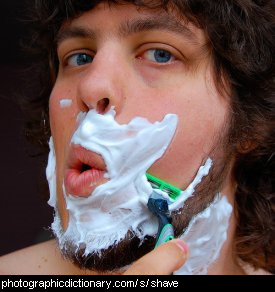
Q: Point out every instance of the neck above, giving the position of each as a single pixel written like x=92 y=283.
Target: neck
x=227 y=263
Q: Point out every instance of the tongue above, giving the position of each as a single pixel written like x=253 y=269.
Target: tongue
x=79 y=183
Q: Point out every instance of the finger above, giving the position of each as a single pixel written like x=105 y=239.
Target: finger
x=163 y=260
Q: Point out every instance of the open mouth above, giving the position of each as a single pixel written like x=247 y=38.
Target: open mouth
x=84 y=173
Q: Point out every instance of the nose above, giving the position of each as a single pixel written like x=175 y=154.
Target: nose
x=101 y=85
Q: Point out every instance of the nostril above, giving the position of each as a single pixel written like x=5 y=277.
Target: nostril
x=102 y=105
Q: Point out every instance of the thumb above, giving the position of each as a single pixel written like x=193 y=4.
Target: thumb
x=163 y=260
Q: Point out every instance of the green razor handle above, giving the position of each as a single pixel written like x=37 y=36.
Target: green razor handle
x=166 y=234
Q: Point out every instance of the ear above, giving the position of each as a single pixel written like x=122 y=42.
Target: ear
x=246 y=146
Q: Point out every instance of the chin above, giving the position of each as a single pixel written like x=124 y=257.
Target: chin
x=113 y=259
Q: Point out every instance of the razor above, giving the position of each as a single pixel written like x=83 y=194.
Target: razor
x=159 y=207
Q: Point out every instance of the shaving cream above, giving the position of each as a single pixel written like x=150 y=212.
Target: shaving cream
x=104 y=218
x=65 y=103
x=120 y=204
x=205 y=237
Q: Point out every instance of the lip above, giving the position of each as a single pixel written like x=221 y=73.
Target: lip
x=85 y=171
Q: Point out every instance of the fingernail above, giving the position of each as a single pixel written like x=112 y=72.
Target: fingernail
x=183 y=246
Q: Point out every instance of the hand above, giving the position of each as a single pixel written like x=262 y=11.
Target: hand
x=164 y=260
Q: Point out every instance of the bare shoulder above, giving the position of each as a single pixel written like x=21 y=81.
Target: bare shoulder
x=41 y=259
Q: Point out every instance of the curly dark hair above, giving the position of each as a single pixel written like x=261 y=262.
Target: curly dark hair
x=241 y=33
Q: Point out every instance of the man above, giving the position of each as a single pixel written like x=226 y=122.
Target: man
x=209 y=63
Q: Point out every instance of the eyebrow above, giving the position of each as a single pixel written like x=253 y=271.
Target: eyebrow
x=74 y=32
x=162 y=22
x=130 y=27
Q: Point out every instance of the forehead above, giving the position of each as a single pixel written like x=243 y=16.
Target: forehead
x=124 y=20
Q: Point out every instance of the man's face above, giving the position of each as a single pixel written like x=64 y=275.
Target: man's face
x=145 y=64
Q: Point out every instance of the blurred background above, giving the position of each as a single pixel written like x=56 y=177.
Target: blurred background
x=24 y=214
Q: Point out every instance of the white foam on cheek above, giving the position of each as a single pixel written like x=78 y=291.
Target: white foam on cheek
x=186 y=194
x=51 y=174
x=119 y=205
x=65 y=103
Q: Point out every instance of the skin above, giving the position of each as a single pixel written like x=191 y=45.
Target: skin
x=125 y=71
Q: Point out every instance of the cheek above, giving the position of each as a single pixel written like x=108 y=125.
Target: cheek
x=63 y=118
x=63 y=124
x=63 y=109
x=202 y=116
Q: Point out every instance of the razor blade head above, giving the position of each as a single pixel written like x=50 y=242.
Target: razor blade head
x=156 y=183
x=158 y=206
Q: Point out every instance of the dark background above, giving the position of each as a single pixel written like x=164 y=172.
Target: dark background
x=24 y=213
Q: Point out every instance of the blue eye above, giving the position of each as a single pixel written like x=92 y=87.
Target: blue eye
x=79 y=59
x=159 y=56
